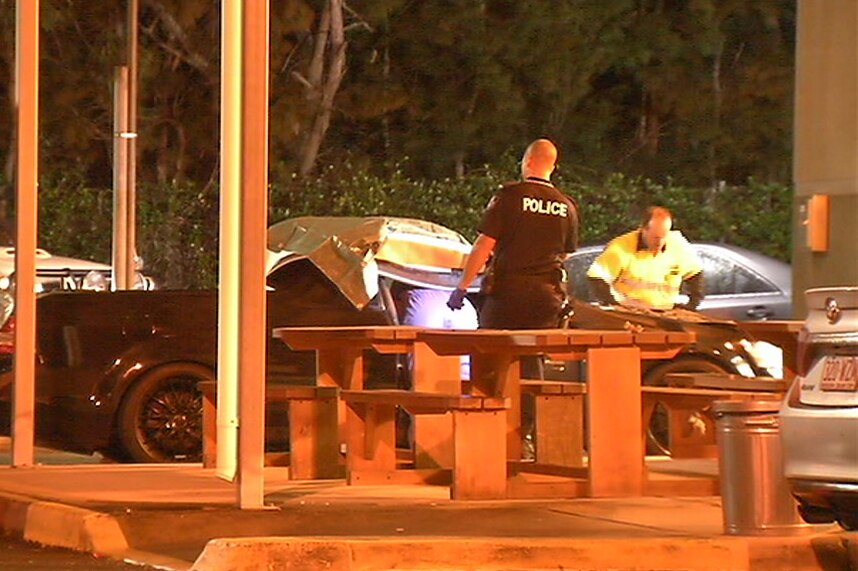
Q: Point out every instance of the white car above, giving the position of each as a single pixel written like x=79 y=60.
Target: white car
x=59 y=272
x=819 y=416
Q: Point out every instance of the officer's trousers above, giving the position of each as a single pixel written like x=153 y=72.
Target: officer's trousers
x=523 y=302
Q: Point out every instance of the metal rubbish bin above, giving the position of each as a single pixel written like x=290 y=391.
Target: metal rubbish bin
x=755 y=496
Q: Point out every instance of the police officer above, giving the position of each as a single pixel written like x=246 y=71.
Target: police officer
x=646 y=267
x=528 y=229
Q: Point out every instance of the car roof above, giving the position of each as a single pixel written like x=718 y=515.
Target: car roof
x=775 y=270
x=45 y=261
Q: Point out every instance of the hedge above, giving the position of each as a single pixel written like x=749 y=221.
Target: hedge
x=177 y=231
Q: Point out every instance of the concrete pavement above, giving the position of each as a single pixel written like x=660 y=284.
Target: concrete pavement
x=183 y=517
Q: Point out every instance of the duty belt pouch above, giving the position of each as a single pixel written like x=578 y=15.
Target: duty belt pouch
x=567 y=309
x=487 y=286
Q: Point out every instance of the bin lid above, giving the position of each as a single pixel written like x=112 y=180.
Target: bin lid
x=746 y=406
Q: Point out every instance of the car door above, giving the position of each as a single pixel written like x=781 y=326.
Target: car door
x=737 y=291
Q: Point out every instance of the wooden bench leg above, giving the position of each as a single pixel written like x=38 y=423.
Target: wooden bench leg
x=314 y=449
x=560 y=430
x=480 y=455
x=371 y=441
x=433 y=447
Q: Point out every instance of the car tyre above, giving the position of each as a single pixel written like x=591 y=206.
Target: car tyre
x=848 y=520
x=658 y=437
x=160 y=418
x=815 y=514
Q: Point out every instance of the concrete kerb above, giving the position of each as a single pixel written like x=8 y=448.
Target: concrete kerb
x=81 y=529
x=60 y=525
x=822 y=552
x=483 y=554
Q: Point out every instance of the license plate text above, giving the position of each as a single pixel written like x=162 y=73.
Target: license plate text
x=840 y=374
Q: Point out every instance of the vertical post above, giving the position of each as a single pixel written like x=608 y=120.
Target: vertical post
x=254 y=207
x=228 y=257
x=131 y=133
x=27 y=141
x=120 y=179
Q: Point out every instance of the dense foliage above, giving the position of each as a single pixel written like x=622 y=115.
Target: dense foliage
x=178 y=235
x=691 y=100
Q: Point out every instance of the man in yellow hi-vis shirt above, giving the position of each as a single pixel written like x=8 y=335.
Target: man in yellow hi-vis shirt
x=648 y=266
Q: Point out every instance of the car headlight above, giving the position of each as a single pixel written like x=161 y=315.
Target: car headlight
x=7 y=306
x=143 y=283
x=94 y=281
x=767 y=356
x=742 y=366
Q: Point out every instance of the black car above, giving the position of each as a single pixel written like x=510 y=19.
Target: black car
x=118 y=371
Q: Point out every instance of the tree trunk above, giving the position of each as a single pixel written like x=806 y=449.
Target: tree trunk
x=325 y=74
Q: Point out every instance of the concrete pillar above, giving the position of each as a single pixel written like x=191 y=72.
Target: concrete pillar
x=825 y=170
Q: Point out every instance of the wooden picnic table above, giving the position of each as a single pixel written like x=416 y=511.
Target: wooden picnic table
x=616 y=453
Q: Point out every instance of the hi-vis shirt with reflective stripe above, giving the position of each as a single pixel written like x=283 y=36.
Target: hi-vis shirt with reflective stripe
x=641 y=277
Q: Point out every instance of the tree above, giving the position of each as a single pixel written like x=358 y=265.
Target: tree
x=694 y=90
x=324 y=75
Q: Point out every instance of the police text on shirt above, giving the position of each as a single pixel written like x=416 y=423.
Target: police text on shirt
x=540 y=206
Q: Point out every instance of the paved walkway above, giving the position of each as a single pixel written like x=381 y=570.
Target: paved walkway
x=184 y=517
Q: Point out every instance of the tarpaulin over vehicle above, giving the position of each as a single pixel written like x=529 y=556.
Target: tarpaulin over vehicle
x=348 y=250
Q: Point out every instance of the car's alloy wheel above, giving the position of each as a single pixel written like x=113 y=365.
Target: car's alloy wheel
x=160 y=419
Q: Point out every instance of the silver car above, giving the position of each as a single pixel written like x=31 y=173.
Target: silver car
x=59 y=272
x=819 y=416
x=740 y=284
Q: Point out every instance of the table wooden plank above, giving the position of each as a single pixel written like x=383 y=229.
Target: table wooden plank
x=726 y=381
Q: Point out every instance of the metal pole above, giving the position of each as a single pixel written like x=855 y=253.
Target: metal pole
x=254 y=219
x=230 y=227
x=27 y=171
x=131 y=213
x=120 y=179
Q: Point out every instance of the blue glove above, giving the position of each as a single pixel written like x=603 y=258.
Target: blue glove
x=457 y=299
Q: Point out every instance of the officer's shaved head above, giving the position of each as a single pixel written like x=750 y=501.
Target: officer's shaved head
x=539 y=159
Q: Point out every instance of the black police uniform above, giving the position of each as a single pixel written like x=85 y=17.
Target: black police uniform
x=535 y=225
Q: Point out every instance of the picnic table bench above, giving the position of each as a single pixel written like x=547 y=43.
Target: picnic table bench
x=688 y=398
x=479 y=454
